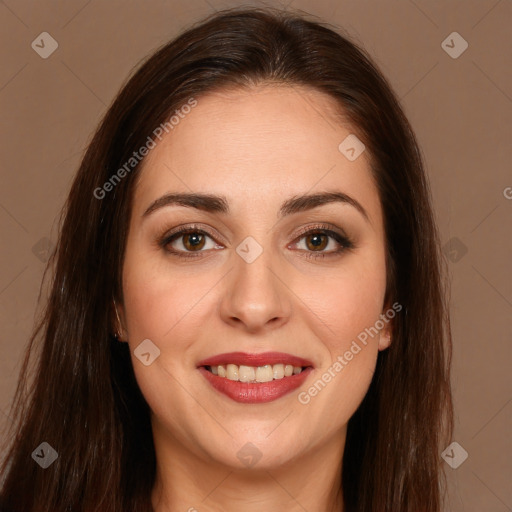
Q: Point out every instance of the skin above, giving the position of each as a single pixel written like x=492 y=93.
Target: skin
x=257 y=147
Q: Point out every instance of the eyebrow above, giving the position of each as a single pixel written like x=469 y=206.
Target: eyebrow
x=219 y=204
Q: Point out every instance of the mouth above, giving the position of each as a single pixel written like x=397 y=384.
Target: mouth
x=254 y=374
x=255 y=378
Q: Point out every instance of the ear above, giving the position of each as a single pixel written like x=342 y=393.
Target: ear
x=118 y=322
x=385 y=334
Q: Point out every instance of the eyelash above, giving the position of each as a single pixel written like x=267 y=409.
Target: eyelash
x=343 y=240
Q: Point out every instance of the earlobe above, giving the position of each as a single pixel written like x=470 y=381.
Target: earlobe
x=386 y=333
x=384 y=340
x=385 y=337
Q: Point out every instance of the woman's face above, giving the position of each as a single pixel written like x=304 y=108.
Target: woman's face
x=264 y=272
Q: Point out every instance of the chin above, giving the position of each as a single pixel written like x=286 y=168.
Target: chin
x=258 y=452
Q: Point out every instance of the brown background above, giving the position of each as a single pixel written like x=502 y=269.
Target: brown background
x=460 y=108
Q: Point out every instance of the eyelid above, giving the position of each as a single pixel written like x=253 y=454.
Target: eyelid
x=332 y=231
x=339 y=236
x=321 y=226
x=187 y=228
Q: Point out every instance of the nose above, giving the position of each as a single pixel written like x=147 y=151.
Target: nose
x=256 y=298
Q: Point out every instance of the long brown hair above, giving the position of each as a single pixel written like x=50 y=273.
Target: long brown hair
x=82 y=398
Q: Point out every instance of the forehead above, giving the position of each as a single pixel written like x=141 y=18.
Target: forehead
x=256 y=145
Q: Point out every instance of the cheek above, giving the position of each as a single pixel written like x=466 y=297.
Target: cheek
x=152 y=308
x=347 y=306
x=343 y=304
x=157 y=302
x=162 y=306
x=171 y=309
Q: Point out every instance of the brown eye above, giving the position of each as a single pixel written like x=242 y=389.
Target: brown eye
x=188 y=242
x=317 y=241
x=193 y=241
x=322 y=241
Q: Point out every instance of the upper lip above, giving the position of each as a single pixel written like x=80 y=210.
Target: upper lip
x=262 y=359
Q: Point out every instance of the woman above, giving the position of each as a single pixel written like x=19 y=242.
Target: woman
x=247 y=308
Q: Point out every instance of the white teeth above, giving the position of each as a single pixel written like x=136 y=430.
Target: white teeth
x=246 y=373
x=278 y=371
x=265 y=373
x=232 y=372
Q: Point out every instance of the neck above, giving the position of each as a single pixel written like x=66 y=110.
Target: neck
x=190 y=481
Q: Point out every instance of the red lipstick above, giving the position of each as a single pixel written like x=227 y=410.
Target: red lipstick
x=255 y=392
x=242 y=358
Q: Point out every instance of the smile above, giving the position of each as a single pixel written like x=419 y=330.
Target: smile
x=255 y=373
x=255 y=378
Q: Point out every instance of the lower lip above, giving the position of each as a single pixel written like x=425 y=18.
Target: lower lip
x=255 y=392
